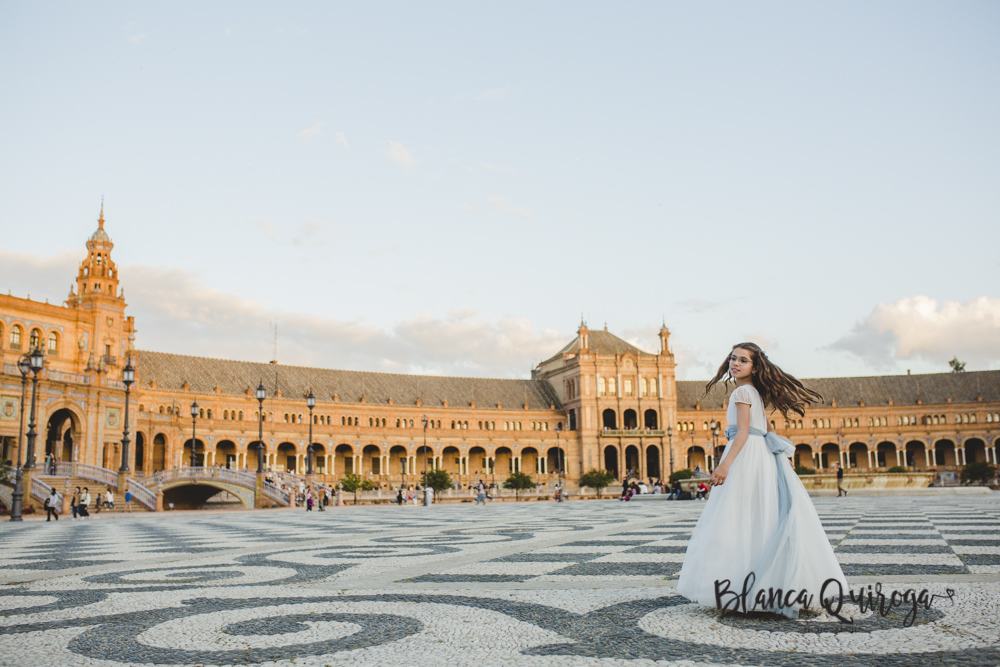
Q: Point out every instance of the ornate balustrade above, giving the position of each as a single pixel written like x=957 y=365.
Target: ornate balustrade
x=142 y=494
x=275 y=493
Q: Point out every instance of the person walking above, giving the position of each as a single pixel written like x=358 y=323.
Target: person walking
x=48 y=463
x=51 y=503
x=399 y=497
x=309 y=500
x=128 y=501
x=840 y=481
x=109 y=500
x=74 y=502
x=480 y=493
x=84 y=501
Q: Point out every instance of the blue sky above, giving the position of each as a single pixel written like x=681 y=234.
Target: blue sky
x=446 y=187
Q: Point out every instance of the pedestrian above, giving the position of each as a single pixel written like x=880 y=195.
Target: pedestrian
x=109 y=499
x=48 y=464
x=309 y=500
x=480 y=493
x=840 y=481
x=323 y=498
x=128 y=501
x=50 y=506
x=74 y=501
x=702 y=491
x=84 y=501
x=399 y=497
x=759 y=529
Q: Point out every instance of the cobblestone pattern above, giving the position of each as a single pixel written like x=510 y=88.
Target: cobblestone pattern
x=588 y=583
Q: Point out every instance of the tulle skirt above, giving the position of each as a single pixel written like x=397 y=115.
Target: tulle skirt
x=743 y=531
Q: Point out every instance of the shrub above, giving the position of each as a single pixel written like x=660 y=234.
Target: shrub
x=979 y=473
x=517 y=482
x=439 y=480
x=897 y=469
x=597 y=480
x=681 y=474
x=802 y=470
x=352 y=483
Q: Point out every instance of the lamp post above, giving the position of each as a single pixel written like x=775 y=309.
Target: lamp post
x=128 y=377
x=714 y=425
x=670 y=445
x=424 y=420
x=36 y=360
x=194 y=442
x=559 y=450
x=23 y=365
x=261 y=395
x=311 y=402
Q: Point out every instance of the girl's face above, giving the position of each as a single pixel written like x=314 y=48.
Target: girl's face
x=740 y=364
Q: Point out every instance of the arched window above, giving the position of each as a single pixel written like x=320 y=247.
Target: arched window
x=15 y=337
x=161 y=409
x=225 y=414
x=286 y=417
x=652 y=386
x=602 y=387
x=241 y=415
x=972 y=419
x=612 y=387
x=53 y=343
x=98 y=260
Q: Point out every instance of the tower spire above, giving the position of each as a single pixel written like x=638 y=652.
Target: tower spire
x=100 y=220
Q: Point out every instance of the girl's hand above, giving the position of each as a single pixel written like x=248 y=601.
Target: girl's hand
x=719 y=476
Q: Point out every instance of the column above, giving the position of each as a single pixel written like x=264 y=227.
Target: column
x=870 y=461
x=817 y=460
x=544 y=462
x=927 y=457
x=300 y=467
x=329 y=464
x=618 y=387
x=517 y=465
x=960 y=456
x=844 y=459
x=898 y=456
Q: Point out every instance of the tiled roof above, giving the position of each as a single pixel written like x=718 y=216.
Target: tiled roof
x=171 y=371
x=932 y=389
x=600 y=342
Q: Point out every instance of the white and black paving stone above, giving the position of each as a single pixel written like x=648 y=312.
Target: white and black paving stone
x=579 y=583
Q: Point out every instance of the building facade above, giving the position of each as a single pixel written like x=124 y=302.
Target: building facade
x=600 y=402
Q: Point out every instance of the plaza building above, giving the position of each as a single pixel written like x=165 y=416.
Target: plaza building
x=600 y=402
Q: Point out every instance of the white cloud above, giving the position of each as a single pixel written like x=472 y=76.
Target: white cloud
x=510 y=171
x=175 y=312
x=399 y=154
x=765 y=343
x=136 y=38
x=310 y=132
x=917 y=327
x=502 y=204
x=342 y=140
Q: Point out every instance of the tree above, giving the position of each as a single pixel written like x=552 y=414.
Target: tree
x=802 y=470
x=981 y=473
x=439 y=480
x=683 y=473
x=956 y=365
x=517 y=481
x=597 y=480
x=352 y=483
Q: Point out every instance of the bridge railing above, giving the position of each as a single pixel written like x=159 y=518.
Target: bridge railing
x=276 y=493
x=142 y=494
x=6 y=494
x=40 y=490
x=199 y=472
x=86 y=471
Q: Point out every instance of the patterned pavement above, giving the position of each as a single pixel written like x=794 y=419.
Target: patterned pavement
x=534 y=583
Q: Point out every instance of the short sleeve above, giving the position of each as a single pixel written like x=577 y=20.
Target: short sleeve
x=743 y=394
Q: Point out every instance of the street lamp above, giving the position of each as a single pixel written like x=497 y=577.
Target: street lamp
x=560 y=452
x=424 y=420
x=128 y=377
x=261 y=395
x=670 y=445
x=194 y=419
x=714 y=425
x=311 y=402
x=23 y=365
x=36 y=360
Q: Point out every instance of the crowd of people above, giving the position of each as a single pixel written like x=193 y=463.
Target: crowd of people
x=674 y=491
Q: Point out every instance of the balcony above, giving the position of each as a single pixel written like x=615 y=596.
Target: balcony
x=633 y=433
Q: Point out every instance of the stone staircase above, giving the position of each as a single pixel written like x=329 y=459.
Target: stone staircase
x=59 y=484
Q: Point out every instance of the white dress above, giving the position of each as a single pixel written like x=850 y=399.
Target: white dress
x=743 y=530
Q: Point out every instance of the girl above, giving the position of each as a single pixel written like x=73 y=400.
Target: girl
x=759 y=529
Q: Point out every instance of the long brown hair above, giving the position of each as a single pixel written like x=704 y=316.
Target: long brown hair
x=778 y=390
